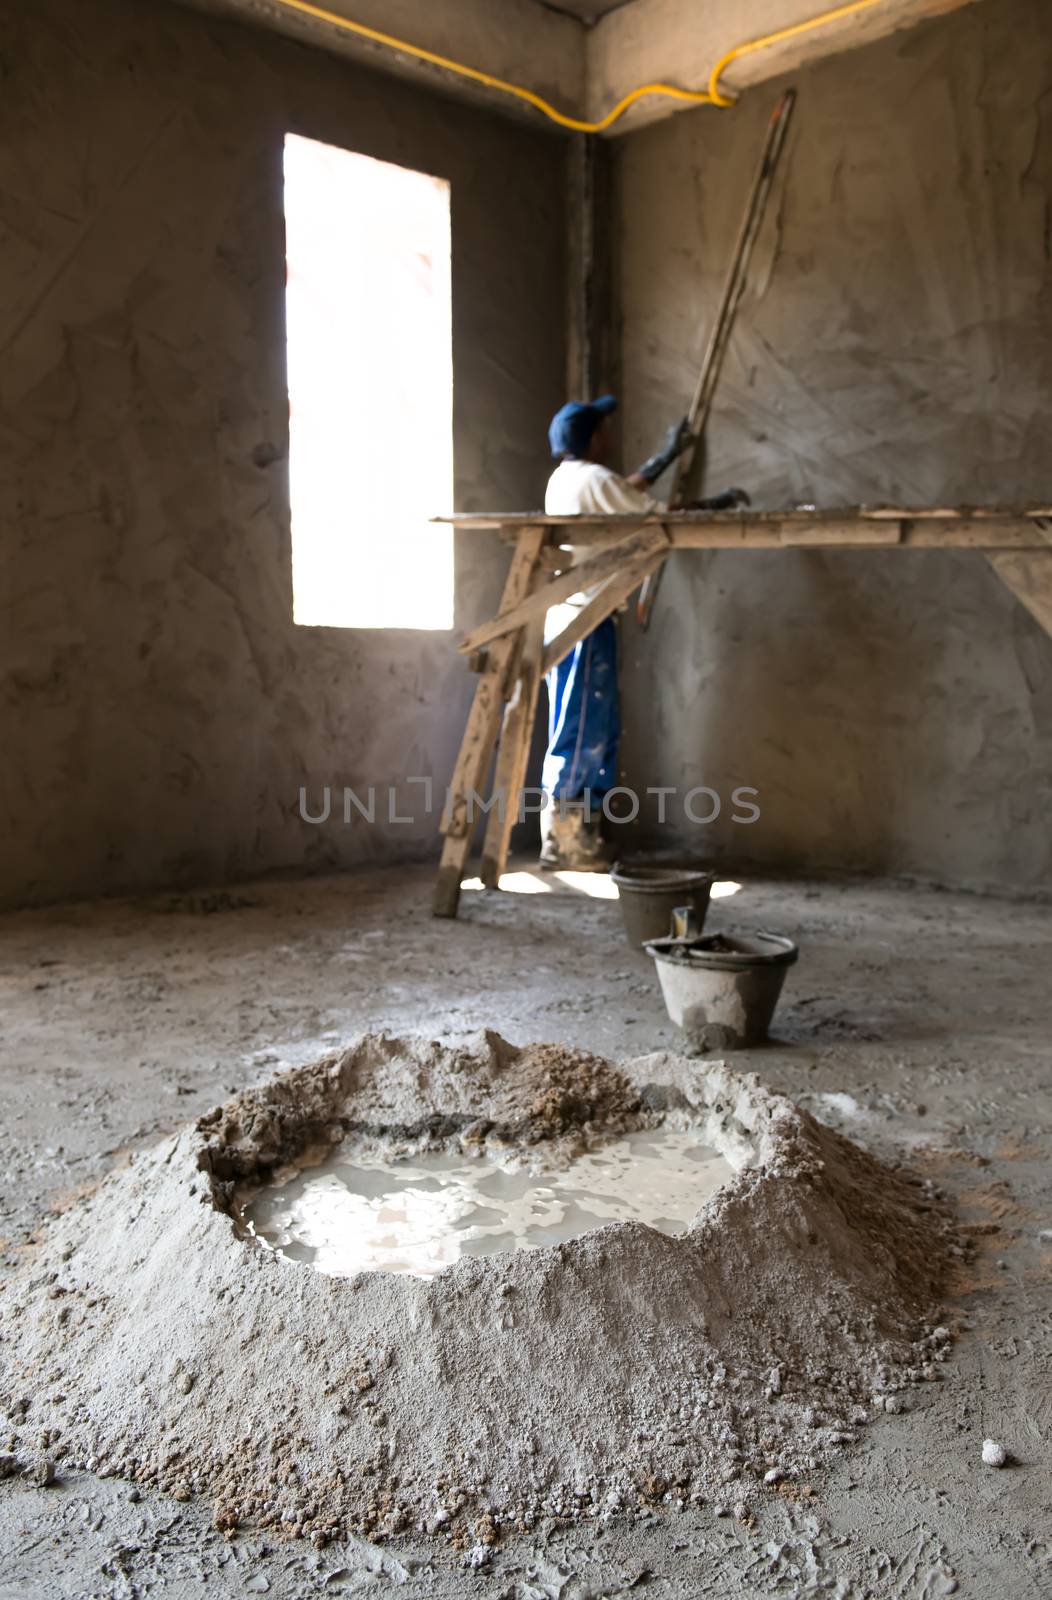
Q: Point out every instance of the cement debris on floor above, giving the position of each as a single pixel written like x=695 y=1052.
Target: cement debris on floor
x=596 y=1379
x=916 y=1024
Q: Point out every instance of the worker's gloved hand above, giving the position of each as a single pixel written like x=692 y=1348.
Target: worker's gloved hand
x=729 y=500
x=677 y=439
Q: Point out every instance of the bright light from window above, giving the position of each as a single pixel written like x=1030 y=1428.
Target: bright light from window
x=724 y=888
x=370 y=373
x=597 y=885
x=514 y=883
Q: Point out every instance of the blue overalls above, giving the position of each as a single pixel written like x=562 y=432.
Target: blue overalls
x=584 y=719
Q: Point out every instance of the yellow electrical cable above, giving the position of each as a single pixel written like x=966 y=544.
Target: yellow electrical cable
x=307 y=7
x=709 y=96
x=789 y=32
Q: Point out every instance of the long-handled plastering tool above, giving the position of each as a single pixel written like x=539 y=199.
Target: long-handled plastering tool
x=733 y=289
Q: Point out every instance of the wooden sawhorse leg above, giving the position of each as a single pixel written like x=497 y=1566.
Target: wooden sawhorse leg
x=536 y=661
x=513 y=754
x=476 y=750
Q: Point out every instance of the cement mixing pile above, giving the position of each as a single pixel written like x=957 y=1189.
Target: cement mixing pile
x=154 y=1338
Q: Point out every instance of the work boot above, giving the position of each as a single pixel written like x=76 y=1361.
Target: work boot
x=570 y=839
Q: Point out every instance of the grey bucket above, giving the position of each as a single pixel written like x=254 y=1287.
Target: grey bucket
x=722 y=989
x=650 y=893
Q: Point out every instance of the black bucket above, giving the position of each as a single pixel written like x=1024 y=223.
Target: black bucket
x=650 y=894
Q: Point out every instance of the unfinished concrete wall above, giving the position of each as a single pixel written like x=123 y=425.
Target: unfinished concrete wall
x=893 y=709
x=159 y=710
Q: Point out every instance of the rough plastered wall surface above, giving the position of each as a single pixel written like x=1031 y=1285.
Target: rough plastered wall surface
x=159 y=710
x=893 y=709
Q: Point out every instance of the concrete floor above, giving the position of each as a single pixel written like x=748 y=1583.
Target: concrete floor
x=916 y=1021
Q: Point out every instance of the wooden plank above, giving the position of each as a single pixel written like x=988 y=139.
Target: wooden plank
x=688 y=467
x=955 y=513
x=986 y=530
x=587 y=532
x=795 y=534
x=595 y=536
x=1029 y=576
x=646 y=541
x=718 y=532
x=513 y=755
x=722 y=324
x=614 y=591
x=766 y=537
x=477 y=745
x=964 y=514
x=1018 y=534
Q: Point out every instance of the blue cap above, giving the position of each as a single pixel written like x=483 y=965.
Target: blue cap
x=572 y=428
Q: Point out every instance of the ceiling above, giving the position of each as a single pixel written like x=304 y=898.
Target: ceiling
x=555 y=49
x=587 y=10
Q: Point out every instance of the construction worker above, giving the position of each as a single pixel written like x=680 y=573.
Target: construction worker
x=584 y=718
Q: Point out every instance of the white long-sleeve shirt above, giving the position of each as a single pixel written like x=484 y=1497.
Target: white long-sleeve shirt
x=583 y=488
x=580 y=489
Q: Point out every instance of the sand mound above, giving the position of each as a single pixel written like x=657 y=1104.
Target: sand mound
x=151 y=1339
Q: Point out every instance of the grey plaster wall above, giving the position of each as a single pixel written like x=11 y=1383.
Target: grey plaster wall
x=159 y=711
x=894 y=709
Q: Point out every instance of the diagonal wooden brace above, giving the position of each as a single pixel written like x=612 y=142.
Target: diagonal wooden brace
x=613 y=593
x=650 y=541
x=1029 y=576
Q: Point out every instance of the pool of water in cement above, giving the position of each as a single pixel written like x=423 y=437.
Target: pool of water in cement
x=417 y=1216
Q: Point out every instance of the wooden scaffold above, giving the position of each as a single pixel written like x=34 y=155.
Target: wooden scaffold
x=554 y=557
